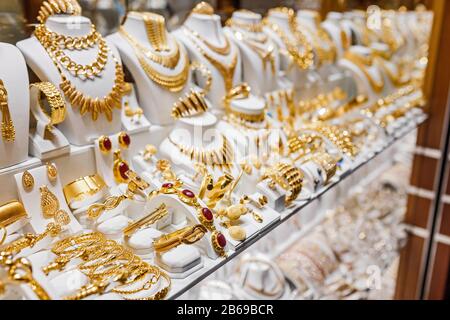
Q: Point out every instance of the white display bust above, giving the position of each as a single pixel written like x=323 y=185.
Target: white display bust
x=79 y=130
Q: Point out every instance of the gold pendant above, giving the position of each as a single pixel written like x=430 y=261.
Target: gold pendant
x=7 y=128
x=49 y=203
x=27 y=181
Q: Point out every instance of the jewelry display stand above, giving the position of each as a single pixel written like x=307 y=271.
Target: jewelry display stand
x=364 y=82
x=31 y=198
x=133 y=120
x=307 y=82
x=208 y=29
x=260 y=62
x=14 y=77
x=44 y=144
x=78 y=129
x=340 y=36
x=153 y=98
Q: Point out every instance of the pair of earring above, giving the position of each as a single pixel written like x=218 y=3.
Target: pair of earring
x=28 y=179
x=105 y=144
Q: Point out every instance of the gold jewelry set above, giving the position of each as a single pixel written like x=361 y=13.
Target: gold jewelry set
x=110 y=267
x=55 y=44
x=299 y=49
x=159 y=53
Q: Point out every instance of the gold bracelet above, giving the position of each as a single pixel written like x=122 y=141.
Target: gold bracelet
x=288 y=177
x=192 y=103
x=82 y=188
x=7 y=125
x=148 y=220
x=53 y=7
x=161 y=294
x=11 y=212
x=241 y=91
x=188 y=235
x=55 y=101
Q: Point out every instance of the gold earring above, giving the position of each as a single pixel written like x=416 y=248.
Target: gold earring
x=120 y=168
x=62 y=217
x=105 y=145
x=52 y=172
x=124 y=140
x=27 y=181
x=49 y=203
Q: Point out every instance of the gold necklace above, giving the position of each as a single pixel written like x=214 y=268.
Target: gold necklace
x=303 y=60
x=222 y=158
x=265 y=54
x=223 y=51
x=8 y=129
x=50 y=41
x=363 y=63
x=156 y=31
x=168 y=61
x=250 y=27
x=324 y=54
x=226 y=71
x=396 y=79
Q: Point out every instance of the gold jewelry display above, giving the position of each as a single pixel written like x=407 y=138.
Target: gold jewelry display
x=338 y=136
x=304 y=59
x=221 y=158
x=136 y=185
x=206 y=73
x=52 y=172
x=49 y=203
x=193 y=103
x=55 y=101
x=85 y=103
x=62 y=218
x=188 y=235
x=27 y=181
x=146 y=221
x=173 y=83
x=223 y=51
x=131 y=112
x=83 y=188
x=20 y=271
x=149 y=152
x=11 y=212
x=53 y=7
x=226 y=71
x=105 y=144
x=8 y=129
x=288 y=177
x=29 y=240
x=363 y=63
x=320 y=37
x=203 y=8
x=155 y=26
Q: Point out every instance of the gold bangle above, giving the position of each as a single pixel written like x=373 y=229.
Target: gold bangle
x=52 y=7
x=148 y=220
x=11 y=212
x=206 y=73
x=4 y=234
x=62 y=246
x=241 y=91
x=192 y=103
x=82 y=188
x=288 y=178
x=188 y=235
x=55 y=101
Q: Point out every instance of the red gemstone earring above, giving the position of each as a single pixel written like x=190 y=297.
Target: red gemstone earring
x=120 y=168
x=124 y=140
x=104 y=143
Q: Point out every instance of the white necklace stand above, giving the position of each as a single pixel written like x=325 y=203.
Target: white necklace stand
x=336 y=31
x=363 y=83
x=307 y=83
x=155 y=100
x=79 y=130
x=209 y=27
x=256 y=72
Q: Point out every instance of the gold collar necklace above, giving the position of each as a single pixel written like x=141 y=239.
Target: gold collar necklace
x=223 y=51
x=222 y=158
x=363 y=63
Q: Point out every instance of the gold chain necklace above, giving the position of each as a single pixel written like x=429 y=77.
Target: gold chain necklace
x=396 y=79
x=156 y=31
x=95 y=106
x=49 y=41
x=168 y=61
x=363 y=63
x=227 y=71
x=222 y=158
x=8 y=130
x=225 y=50
x=325 y=54
x=303 y=60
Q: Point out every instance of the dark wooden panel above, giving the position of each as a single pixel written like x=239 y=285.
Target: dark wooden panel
x=445 y=220
x=424 y=172
x=409 y=269
x=440 y=269
x=418 y=211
